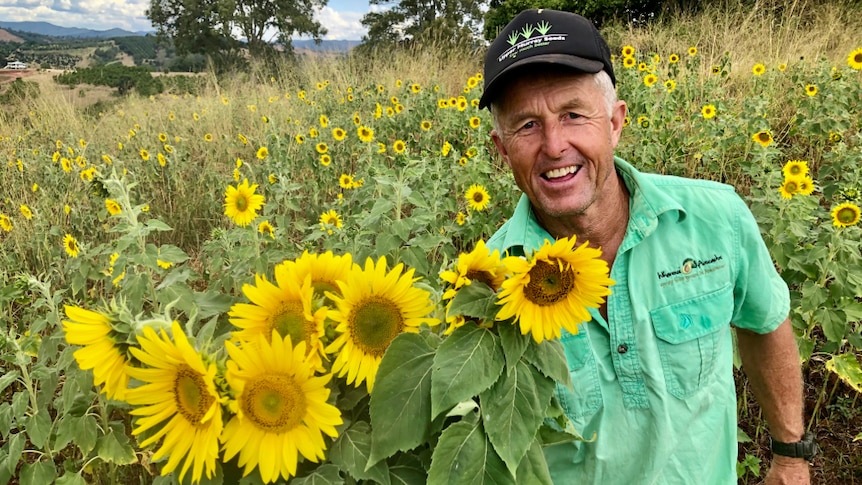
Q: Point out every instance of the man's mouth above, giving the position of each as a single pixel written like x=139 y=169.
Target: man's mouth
x=559 y=173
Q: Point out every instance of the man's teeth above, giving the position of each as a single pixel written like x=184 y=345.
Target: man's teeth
x=561 y=172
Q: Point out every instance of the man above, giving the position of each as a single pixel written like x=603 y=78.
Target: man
x=652 y=370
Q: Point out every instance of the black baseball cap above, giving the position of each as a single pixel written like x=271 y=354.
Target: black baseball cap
x=547 y=37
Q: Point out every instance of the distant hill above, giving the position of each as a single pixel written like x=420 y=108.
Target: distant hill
x=8 y=37
x=45 y=28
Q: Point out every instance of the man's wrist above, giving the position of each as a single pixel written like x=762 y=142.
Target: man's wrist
x=804 y=449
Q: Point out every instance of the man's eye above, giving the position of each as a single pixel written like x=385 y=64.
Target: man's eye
x=528 y=125
x=574 y=116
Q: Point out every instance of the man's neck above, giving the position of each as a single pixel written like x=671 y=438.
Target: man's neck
x=604 y=225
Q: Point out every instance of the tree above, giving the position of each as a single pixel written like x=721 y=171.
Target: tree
x=211 y=27
x=415 y=20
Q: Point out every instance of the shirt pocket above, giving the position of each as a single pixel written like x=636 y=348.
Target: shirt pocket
x=690 y=337
x=585 y=396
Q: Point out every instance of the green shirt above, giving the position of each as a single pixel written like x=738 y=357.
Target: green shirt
x=655 y=381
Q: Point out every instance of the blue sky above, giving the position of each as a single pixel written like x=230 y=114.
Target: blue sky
x=340 y=17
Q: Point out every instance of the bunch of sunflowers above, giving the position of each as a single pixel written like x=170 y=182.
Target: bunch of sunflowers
x=261 y=396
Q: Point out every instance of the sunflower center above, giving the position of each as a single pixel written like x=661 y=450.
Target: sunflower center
x=792 y=186
x=795 y=169
x=763 y=136
x=483 y=276
x=549 y=283
x=73 y=246
x=857 y=58
x=478 y=197
x=846 y=215
x=374 y=324
x=241 y=203
x=190 y=391
x=274 y=403
x=290 y=320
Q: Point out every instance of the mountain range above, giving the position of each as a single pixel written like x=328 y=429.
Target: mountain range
x=45 y=28
x=48 y=29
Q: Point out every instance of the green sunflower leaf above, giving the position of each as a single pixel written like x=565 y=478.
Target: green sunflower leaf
x=476 y=300
x=114 y=446
x=533 y=467
x=465 y=456
x=351 y=452
x=322 y=475
x=513 y=409
x=550 y=358
x=401 y=401
x=514 y=343
x=847 y=367
x=467 y=362
x=37 y=473
x=407 y=470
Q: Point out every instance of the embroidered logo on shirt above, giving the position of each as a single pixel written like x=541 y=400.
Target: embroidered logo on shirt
x=690 y=268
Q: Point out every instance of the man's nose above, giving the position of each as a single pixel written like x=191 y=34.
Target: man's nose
x=555 y=142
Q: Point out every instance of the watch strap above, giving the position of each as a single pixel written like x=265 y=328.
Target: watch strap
x=804 y=448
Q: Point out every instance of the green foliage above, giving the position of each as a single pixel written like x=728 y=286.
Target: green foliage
x=124 y=78
x=19 y=91
x=209 y=27
x=448 y=21
x=139 y=47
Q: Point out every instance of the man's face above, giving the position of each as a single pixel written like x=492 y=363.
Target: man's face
x=556 y=134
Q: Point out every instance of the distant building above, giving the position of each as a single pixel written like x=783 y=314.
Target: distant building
x=16 y=65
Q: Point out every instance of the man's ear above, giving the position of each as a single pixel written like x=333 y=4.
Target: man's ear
x=498 y=142
x=618 y=116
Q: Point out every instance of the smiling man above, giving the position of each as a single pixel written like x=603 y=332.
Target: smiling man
x=652 y=370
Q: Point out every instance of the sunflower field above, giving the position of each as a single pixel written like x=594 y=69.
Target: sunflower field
x=280 y=276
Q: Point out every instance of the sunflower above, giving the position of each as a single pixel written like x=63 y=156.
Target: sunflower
x=806 y=185
x=477 y=197
x=330 y=218
x=446 y=148
x=241 y=203
x=321 y=148
x=758 y=69
x=628 y=51
x=163 y=137
x=70 y=244
x=374 y=307
x=461 y=218
x=162 y=160
x=6 y=223
x=66 y=164
x=345 y=181
x=782 y=66
x=629 y=62
x=673 y=59
x=208 y=137
x=795 y=168
x=650 y=79
x=113 y=207
x=26 y=212
x=764 y=137
x=692 y=51
x=324 y=121
x=266 y=228
x=339 y=134
x=299 y=139
x=553 y=288
x=365 y=134
x=399 y=146
x=480 y=265
x=281 y=408
x=285 y=308
x=100 y=352
x=179 y=387
x=670 y=85
x=325 y=159
x=262 y=153
x=846 y=214
x=145 y=155
x=415 y=88
x=325 y=270
x=242 y=139
x=789 y=188
x=854 y=59
x=425 y=125
x=708 y=111
x=811 y=89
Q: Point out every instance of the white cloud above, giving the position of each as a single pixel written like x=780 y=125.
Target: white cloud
x=341 y=25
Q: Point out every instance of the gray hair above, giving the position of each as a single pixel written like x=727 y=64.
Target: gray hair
x=603 y=82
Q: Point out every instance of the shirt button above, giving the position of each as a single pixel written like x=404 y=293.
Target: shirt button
x=623 y=348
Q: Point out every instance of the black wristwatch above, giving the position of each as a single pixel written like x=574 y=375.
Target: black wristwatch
x=804 y=448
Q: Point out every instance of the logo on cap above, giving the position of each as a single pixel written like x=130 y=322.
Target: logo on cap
x=542 y=38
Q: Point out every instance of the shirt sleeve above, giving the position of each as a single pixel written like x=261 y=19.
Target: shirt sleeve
x=761 y=297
